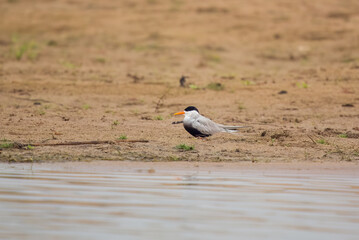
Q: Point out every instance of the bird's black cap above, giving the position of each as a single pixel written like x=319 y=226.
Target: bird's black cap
x=191 y=108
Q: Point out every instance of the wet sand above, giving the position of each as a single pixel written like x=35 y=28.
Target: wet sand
x=325 y=168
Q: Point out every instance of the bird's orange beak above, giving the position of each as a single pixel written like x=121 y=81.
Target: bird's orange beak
x=179 y=113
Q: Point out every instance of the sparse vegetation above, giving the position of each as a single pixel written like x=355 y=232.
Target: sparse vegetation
x=241 y=107
x=212 y=58
x=41 y=112
x=68 y=64
x=21 y=49
x=343 y=135
x=6 y=144
x=247 y=82
x=192 y=86
x=159 y=117
x=228 y=76
x=86 y=106
x=115 y=123
x=215 y=86
x=135 y=112
x=302 y=85
x=100 y=60
x=322 y=141
x=29 y=147
x=185 y=147
x=122 y=137
x=174 y=158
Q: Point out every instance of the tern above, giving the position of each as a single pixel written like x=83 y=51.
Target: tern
x=200 y=126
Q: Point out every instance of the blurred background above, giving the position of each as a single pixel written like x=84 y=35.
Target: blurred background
x=105 y=40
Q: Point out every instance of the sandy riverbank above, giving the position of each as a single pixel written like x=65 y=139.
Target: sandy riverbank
x=90 y=70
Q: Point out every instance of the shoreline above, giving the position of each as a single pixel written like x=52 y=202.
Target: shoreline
x=324 y=168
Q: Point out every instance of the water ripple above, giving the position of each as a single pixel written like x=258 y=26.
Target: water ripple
x=47 y=204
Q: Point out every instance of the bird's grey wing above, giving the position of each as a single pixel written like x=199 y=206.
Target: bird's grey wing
x=206 y=126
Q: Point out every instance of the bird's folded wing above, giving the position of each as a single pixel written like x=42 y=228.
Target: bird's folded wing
x=206 y=126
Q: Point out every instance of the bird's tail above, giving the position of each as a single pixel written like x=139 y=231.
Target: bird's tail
x=232 y=129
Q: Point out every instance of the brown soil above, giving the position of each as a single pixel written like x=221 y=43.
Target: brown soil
x=95 y=70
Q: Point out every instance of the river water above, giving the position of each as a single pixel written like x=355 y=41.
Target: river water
x=144 y=203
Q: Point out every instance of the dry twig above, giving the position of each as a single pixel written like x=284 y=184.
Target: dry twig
x=312 y=139
x=22 y=145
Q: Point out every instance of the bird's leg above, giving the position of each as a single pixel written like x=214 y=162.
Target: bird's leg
x=202 y=138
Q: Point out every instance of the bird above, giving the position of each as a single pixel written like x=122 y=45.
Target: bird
x=200 y=126
x=183 y=81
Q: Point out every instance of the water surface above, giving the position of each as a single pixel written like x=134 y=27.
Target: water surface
x=145 y=203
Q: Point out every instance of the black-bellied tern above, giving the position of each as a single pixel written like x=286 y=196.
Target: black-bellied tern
x=200 y=126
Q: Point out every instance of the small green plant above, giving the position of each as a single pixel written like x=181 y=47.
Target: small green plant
x=159 y=117
x=86 y=107
x=29 y=147
x=185 y=147
x=302 y=84
x=247 y=82
x=228 y=76
x=174 y=158
x=115 y=123
x=68 y=64
x=122 y=137
x=322 y=141
x=135 y=112
x=343 y=135
x=22 y=49
x=212 y=58
x=100 y=60
x=241 y=107
x=194 y=87
x=41 y=112
x=6 y=144
x=215 y=86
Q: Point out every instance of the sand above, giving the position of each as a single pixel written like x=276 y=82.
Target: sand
x=104 y=70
